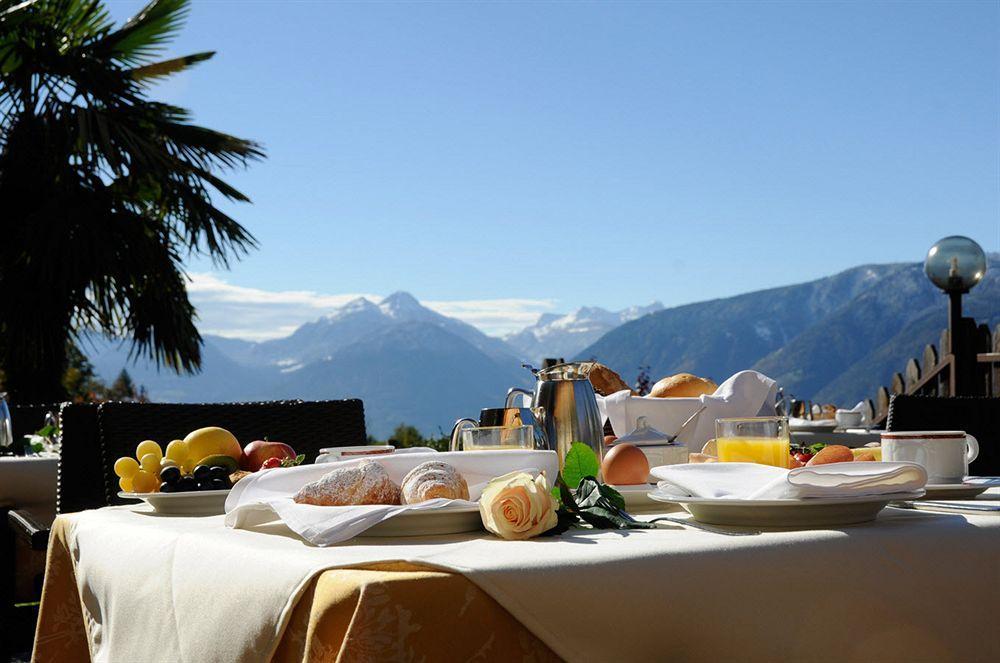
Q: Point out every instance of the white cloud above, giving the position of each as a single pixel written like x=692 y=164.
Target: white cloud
x=494 y=316
x=236 y=311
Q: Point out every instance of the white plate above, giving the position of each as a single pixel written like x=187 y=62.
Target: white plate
x=426 y=522
x=637 y=496
x=812 y=512
x=810 y=425
x=191 y=503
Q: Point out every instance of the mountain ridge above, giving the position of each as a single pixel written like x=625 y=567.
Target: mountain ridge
x=860 y=321
x=833 y=339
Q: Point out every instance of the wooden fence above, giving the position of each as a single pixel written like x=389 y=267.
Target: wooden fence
x=934 y=373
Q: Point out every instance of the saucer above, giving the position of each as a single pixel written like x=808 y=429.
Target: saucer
x=957 y=491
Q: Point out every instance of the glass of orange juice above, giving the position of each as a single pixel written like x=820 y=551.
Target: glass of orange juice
x=762 y=440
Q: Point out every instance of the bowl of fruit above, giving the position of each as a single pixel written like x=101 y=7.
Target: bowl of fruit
x=193 y=476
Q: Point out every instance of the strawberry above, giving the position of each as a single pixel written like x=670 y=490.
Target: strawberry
x=270 y=462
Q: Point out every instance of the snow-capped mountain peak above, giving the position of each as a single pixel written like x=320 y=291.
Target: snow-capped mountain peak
x=564 y=335
x=403 y=305
x=353 y=307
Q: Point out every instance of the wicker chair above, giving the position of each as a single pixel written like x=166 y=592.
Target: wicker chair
x=79 y=483
x=979 y=417
x=23 y=539
x=306 y=426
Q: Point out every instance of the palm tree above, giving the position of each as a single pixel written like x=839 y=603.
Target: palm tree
x=103 y=191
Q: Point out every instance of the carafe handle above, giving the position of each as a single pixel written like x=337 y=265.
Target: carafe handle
x=456 y=432
x=514 y=392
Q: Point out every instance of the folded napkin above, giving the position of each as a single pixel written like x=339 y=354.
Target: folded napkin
x=745 y=394
x=749 y=481
x=264 y=496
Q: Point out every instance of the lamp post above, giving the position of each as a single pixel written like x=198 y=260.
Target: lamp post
x=956 y=264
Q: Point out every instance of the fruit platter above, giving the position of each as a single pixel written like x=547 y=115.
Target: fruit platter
x=193 y=476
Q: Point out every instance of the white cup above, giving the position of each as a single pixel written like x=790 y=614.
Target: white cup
x=944 y=454
x=849 y=418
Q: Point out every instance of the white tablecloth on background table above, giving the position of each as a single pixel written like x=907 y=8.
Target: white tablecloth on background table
x=29 y=482
x=911 y=586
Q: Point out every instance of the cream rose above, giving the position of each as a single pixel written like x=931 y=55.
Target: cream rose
x=515 y=506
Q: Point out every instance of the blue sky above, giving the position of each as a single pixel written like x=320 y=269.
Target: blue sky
x=501 y=159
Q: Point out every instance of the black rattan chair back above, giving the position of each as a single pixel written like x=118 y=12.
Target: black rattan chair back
x=306 y=426
x=81 y=479
x=979 y=417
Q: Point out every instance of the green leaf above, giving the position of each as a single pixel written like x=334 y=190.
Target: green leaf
x=168 y=67
x=816 y=448
x=580 y=462
x=566 y=520
x=292 y=462
x=603 y=507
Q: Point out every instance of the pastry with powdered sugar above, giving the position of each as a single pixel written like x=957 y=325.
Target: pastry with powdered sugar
x=364 y=483
x=434 y=479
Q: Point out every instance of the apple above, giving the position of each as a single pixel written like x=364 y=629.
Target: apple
x=255 y=453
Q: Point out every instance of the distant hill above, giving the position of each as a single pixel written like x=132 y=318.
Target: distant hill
x=834 y=339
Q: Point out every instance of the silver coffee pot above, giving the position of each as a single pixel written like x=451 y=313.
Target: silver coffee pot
x=565 y=404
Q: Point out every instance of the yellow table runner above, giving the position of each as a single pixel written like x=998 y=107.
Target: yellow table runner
x=387 y=612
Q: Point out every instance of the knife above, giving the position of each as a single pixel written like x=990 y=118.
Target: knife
x=947 y=506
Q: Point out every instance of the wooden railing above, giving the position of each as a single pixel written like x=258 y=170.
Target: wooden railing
x=934 y=373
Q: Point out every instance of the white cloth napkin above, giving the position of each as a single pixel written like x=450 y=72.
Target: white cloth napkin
x=749 y=481
x=745 y=394
x=264 y=496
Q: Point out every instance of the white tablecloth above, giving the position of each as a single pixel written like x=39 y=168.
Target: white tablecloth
x=911 y=586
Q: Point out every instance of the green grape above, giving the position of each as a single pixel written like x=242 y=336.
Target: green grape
x=126 y=467
x=177 y=451
x=144 y=482
x=148 y=447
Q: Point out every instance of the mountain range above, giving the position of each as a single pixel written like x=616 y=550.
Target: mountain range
x=834 y=339
x=406 y=362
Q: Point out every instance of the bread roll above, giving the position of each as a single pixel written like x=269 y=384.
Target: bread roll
x=682 y=385
x=434 y=479
x=605 y=381
x=365 y=483
x=835 y=453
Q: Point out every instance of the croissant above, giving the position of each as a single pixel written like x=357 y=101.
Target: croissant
x=365 y=483
x=434 y=479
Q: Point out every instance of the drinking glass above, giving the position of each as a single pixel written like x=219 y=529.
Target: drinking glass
x=493 y=438
x=762 y=440
x=6 y=434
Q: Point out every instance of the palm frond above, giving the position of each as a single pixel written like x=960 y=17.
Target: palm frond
x=105 y=192
x=145 y=35
x=168 y=67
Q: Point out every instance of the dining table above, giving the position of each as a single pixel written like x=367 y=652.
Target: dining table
x=29 y=483
x=125 y=583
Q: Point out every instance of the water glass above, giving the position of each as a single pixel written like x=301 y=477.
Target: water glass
x=494 y=438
